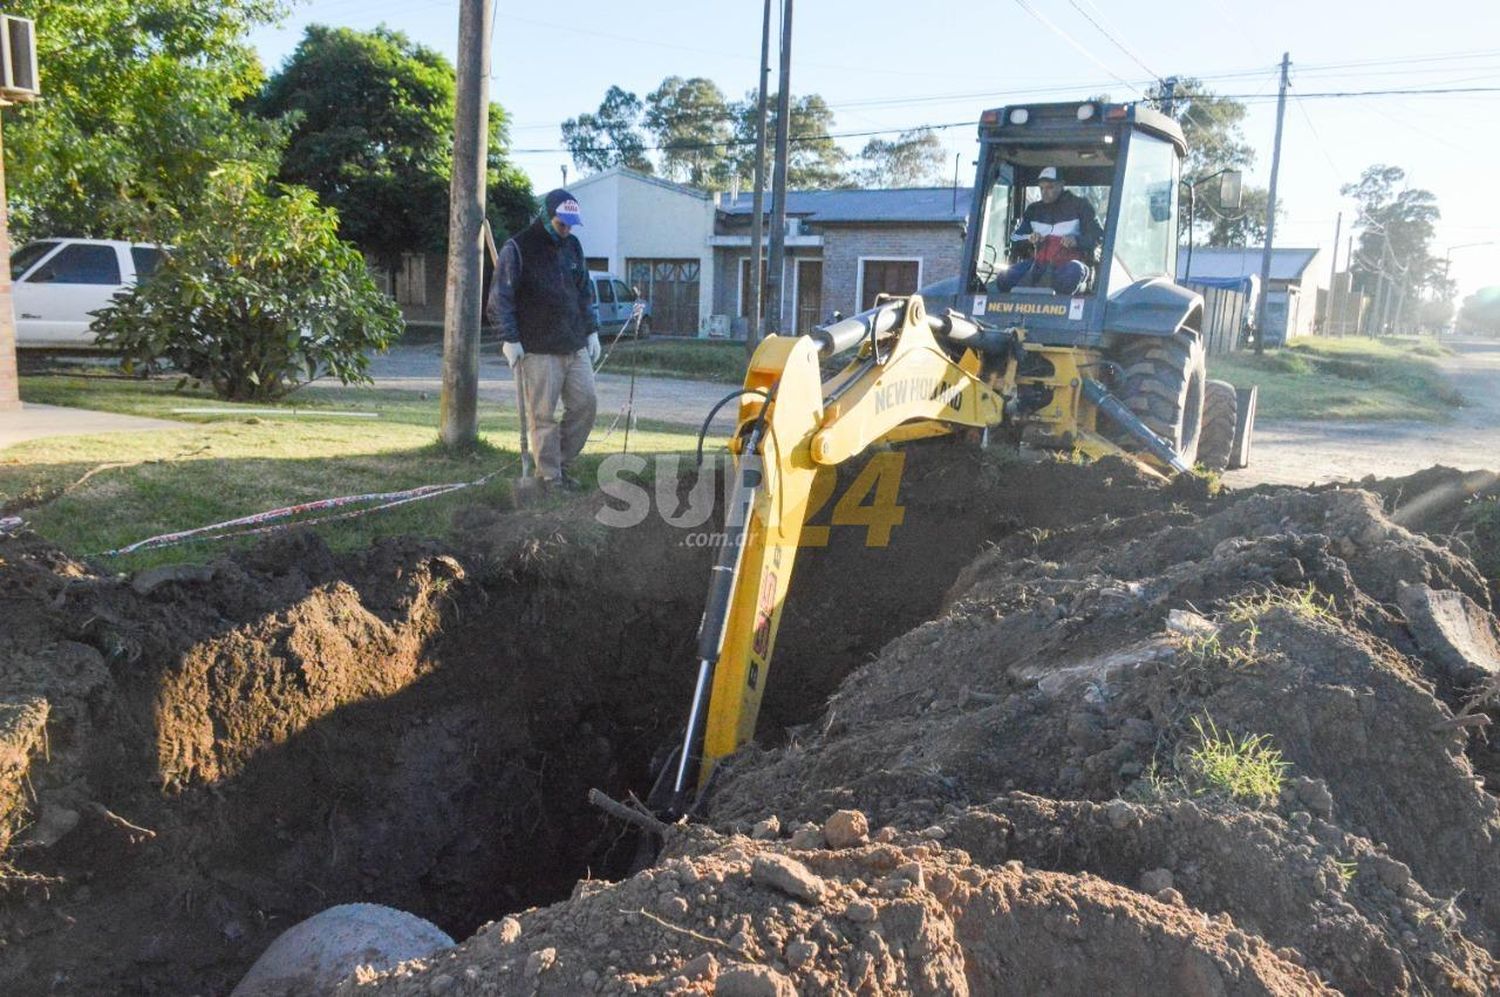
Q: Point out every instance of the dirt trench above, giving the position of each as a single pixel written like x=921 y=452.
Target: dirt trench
x=194 y=759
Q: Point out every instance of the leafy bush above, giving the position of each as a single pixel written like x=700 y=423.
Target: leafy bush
x=258 y=296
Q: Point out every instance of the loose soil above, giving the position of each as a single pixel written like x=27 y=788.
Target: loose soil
x=192 y=761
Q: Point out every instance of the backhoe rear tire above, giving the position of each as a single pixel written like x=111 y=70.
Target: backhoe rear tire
x=1163 y=383
x=1220 y=420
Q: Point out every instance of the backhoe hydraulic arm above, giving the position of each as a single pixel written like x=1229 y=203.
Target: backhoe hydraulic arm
x=901 y=384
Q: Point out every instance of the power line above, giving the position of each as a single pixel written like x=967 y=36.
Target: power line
x=1082 y=49
x=678 y=147
x=1113 y=40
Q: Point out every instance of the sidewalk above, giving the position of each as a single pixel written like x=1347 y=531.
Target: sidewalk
x=33 y=422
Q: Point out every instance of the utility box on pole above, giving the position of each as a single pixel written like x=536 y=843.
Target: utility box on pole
x=19 y=82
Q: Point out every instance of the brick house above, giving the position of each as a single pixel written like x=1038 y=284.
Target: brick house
x=688 y=251
x=843 y=248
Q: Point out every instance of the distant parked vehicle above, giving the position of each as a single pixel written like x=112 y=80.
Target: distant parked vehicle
x=616 y=301
x=58 y=283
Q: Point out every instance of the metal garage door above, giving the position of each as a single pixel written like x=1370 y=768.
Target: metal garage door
x=672 y=288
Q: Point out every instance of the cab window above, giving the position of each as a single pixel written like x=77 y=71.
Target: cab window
x=623 y=292
x=1146 y=236
x=606 y=293
x=146 y=261
x=81 y=264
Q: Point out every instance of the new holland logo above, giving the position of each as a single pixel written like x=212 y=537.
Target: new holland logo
x=914 y=389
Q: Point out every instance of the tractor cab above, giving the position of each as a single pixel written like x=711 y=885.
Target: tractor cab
x=1066 y=283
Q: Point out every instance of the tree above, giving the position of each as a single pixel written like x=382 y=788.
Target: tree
x=914 y=159
x=692 y=126
x=141 y=104
x=1395 y=225
x=370 y=117
x=814 y=159
x=258 y=296
x=1212 y=128
x=1480 y=313
x=610 y=136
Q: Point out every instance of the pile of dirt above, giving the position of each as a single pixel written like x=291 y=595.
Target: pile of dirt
x=1037 y=739
x=906 y=914
x=194 y=758
x=981 y=764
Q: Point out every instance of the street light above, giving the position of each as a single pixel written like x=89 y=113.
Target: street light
x=1231 y=191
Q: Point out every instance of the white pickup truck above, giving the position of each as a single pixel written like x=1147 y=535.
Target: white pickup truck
x=57 y=283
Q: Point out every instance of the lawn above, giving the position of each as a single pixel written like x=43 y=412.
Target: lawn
x=96 y=493
x=698 y=359
x=1345 y=379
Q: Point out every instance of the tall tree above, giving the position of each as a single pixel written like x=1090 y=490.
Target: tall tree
x=1213 y=128
x=611 y=136
x=814 y=160
x=1481 y=312
x=692 y=125
x=913 y=159
x=370 y=115
x=140 y=107
x=1396 y=225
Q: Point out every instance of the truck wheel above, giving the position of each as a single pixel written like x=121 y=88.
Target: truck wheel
x=1220 y=417
x=1164 y=384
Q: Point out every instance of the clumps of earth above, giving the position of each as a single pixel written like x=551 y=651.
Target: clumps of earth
x=1070 y=731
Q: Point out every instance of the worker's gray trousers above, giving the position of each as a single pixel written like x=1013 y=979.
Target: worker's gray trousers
x=544 y=379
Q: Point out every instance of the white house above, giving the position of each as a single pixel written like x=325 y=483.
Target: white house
x=655 y=234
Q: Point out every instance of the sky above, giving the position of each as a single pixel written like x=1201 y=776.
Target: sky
x=886 y=66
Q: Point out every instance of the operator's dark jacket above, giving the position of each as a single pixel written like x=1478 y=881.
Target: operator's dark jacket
x=1068 y=207
x=542 y=296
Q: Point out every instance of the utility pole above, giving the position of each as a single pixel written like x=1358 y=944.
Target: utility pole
x=1265 y=256
x=461 y=304
x=1168 y=95
x=1333 y=271
x=774 y=290
x=758 y=199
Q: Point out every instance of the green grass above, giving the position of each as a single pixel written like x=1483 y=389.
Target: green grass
x=698 y=359
x=222 y=467
x=1345 y=379
x=1246 y=769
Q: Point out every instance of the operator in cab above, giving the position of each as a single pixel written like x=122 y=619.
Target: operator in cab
x=1064 y=235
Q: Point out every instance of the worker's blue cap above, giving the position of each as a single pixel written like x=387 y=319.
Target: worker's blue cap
x=564 y=206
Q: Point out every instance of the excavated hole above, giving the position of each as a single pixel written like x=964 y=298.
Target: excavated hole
x=446 y=772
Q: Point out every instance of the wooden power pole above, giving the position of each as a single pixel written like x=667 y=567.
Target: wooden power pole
x=758 y=199
x=1265 y=256
x=462 y=305
x=775 y=292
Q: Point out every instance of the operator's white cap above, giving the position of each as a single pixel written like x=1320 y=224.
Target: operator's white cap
x=1048 y=173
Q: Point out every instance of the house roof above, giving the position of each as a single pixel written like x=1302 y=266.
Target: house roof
x=629 y=174
x=1213 y=262
x=915 y=204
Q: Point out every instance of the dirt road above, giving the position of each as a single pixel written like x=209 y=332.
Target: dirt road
x=1286 y=452
x=1300 y=453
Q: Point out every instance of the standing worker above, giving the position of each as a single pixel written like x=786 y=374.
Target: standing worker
x=542 y=300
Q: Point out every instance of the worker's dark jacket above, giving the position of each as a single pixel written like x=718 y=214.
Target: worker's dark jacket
x=1069 y=215
x=542 y=296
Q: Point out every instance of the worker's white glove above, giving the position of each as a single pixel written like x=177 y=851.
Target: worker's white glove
x=593 y=347
x=513 y=353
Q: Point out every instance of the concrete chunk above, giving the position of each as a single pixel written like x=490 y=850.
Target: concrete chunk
x=1455 y=633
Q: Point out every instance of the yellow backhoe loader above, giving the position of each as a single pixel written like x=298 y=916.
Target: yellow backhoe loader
x=1117 y=368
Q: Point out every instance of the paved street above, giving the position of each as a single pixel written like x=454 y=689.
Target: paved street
x=33 y=422
x=418 y=367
